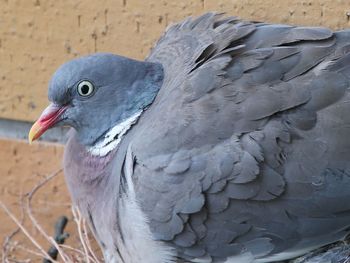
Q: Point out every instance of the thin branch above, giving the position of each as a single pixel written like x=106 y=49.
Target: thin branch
x=7 y=241
x=60 y=237
x=28 y=250
x=77 y=251
x=24 y=230
x=39 y=185
x=88 y=244
x=83 y=254
x=77 y=219
x=35 y=222
x=8 y=238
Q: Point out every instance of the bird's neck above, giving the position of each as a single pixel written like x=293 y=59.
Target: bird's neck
x=112 y=138
x=112 y=209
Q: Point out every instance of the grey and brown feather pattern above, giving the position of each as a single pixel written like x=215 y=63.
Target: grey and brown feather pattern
x=245 y=149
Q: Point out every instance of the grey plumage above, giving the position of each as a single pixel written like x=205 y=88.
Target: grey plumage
x=244 y=149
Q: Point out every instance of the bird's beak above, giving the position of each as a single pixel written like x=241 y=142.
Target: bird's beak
x=49 y=117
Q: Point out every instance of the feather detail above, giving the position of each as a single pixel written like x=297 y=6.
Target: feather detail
x=114 y=136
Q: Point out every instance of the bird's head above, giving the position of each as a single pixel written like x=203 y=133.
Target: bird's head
x=96 y=92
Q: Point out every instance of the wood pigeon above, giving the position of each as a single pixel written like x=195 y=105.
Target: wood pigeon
x=229 y=143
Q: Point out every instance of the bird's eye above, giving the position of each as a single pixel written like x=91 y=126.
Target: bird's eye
x=85 y=88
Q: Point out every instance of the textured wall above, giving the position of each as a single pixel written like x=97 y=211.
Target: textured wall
x=36 y=36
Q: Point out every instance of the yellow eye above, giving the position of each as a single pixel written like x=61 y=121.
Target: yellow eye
x=85 y=88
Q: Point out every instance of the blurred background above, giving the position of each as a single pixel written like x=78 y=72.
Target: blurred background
x=37 y=36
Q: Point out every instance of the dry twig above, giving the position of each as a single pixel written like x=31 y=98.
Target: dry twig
x=68 y=254
x=25 y=231
x=84 y=239
x=7 y=239
x=35 y=222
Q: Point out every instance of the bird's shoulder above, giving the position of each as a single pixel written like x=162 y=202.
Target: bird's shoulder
x=219 y=127
x=225 y=77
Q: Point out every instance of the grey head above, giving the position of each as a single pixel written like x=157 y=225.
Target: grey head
x=101 y=90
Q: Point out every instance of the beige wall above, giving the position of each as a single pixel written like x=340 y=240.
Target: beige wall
x=36 y=36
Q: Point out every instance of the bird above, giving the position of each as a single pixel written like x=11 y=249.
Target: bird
x=228 y=143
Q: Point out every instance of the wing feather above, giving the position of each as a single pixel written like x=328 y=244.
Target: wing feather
x=215 y=152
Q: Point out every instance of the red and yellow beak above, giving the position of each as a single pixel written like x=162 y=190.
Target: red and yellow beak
x=48 y=118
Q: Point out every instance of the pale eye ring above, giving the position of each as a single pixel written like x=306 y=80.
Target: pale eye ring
x=85 y=88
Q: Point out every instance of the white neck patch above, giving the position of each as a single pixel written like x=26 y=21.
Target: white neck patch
x=114 y=136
